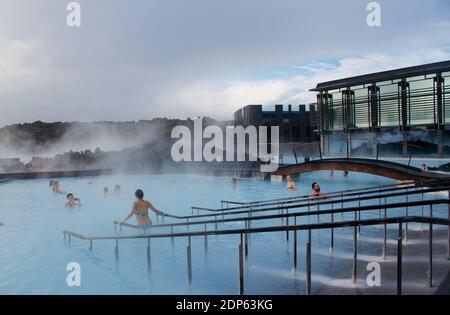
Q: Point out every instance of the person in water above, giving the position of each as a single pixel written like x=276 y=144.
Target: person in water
x=345 y=173
x=117 y=189
x=72 y=201
x=56 y=188
x=424 y=168
x=315 y=190
x=105 y=191
x=290 y=183
x=233 y=182
x=140 y=210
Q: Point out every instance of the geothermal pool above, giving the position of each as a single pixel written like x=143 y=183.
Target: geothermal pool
x=34 y=256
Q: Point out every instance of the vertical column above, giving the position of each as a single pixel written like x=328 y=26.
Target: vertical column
x=321 y=113
x=404 y=101
x=255 y=115
x=302 y=123
x=189 y=260
x=348 y=105
x=241 y=266
x=355 y=252
x=440 y=119
x=313 y=123
x=290 y=124
x=439 y=83
x=399 y=259
x=430 y=250
x=308 y=264
x=295 y=255
x=403 y=113
x=279 y=121
x=373 y=106
x=448 y=234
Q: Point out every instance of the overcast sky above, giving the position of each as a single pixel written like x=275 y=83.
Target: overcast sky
x=141 y=59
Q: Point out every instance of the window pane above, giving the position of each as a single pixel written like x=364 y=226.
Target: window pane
x=422 y=102
x=336 y=111
x=361 y=108
x=389 y=105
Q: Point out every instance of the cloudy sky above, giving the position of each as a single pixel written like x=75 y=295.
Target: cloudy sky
x=141 y=59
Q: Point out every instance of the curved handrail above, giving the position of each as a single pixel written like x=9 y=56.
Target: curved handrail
x=378 y=167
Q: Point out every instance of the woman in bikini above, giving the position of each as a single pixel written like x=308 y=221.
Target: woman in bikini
x=140 y=210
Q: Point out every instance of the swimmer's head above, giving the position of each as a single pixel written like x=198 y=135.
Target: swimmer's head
x=51 y=183
x=139 y=194
x=315 y=187
x=117 y=188
x=69 y=196
x=105 y=189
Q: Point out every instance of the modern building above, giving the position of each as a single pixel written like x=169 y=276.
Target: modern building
x=403 y=101
x=296 y=125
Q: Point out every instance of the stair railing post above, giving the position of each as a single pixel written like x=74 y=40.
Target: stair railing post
x=399 y=259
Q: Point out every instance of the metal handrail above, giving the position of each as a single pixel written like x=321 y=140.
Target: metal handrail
x=278 y=228
x=243 y=246
x=301 y=214
x=359 y=191
x=318 y=202
x=334 y=193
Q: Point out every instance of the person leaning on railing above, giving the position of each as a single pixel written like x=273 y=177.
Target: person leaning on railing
x=140 y=209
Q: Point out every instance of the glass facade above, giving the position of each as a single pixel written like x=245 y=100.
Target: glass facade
x=411 y=101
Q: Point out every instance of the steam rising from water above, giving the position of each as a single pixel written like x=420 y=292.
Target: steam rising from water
x=77 y=137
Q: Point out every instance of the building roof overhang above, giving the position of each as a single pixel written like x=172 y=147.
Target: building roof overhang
x=401 y=73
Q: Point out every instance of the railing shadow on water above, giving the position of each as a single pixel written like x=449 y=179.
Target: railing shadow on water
x=311 y=208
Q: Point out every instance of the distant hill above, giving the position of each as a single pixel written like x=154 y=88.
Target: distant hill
x=80 y=145
x=42 y=138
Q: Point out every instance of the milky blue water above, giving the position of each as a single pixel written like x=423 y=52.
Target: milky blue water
x=34 y=256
